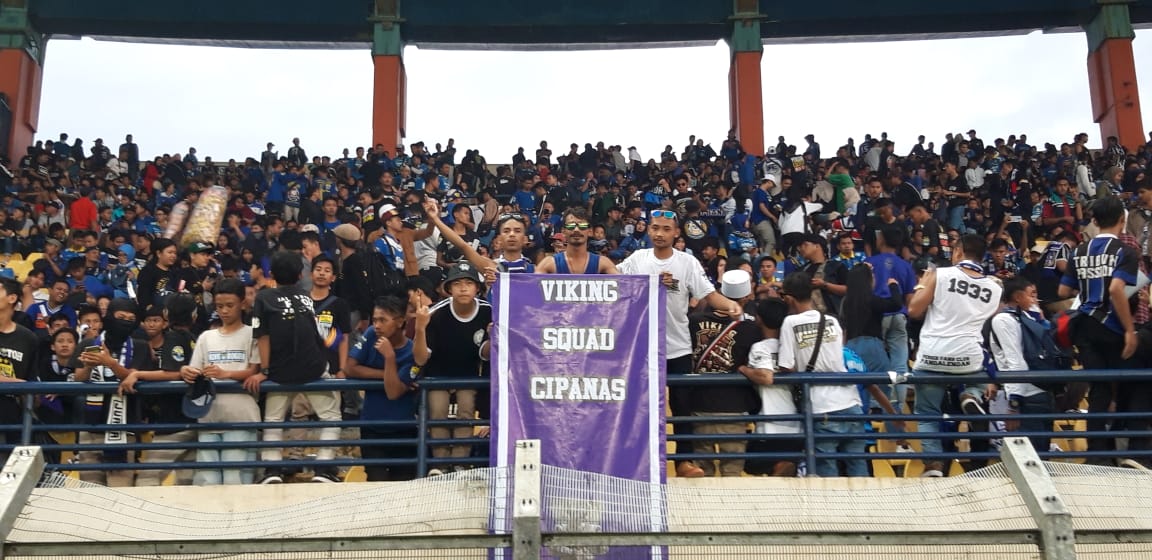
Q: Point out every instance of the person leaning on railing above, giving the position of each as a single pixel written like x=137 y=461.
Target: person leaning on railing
x=385 y=353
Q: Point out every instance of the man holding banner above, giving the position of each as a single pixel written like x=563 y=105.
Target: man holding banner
x=684 y=278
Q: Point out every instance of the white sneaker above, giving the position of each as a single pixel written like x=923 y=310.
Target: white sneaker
x=435 y=472
x=932 y=474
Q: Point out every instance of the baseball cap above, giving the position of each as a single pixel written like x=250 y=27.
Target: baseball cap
x=347 y=232
x=736 y=284
x=199 y=397
x=54 y=241
x=1040 y=247
x=310 y=228
x=387 y=211
x=201 y=247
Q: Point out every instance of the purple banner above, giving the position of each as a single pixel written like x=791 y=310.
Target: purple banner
x=578 y=363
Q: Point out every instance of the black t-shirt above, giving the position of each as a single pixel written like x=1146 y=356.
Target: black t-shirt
x=957 y=185
x=285 y=315
x=729 y=352
x=18 y=350
x=455 y=341
x=175 y=353
x=154 y=284
x=333 y=322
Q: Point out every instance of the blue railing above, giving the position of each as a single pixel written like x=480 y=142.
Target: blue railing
x=25 y=392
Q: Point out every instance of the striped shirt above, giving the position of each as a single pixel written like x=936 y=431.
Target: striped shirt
x=1093 y=266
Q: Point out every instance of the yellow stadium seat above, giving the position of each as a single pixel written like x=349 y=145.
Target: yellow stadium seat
x=356 y=474
x=20 y=268
x=33 y=257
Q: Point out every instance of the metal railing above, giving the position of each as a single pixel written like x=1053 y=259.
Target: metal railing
x=422 y=459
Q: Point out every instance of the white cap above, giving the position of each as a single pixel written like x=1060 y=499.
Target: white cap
x=736 y=284
x=385 y=210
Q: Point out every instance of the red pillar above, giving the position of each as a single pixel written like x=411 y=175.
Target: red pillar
x=746 y=101
x=389 y=101
x=20 y=80
x=1115 y=98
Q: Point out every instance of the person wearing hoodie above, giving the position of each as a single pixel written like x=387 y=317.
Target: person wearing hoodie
x=110 y=356
x=633 y=241
x=841 y=181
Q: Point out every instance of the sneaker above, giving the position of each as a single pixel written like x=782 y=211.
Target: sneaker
x=971 y=405
x=933 y=469
x=1131 y=464
x=688 y=469
x=272 y=477
x=326 y=475
x=435 y=472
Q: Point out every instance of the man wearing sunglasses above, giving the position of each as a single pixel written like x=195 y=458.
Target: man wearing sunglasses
x=684 y=277
x=511 y=236
x=576 y=259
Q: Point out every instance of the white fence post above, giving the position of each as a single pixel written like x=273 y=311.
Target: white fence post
x=526 y=500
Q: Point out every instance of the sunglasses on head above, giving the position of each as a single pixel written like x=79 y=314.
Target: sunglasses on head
x=574 y=227
x=664 y=214
x=510 y=216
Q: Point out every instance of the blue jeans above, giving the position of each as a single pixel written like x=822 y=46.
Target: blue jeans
x=956 y=218
x=212 y=477
x=929 y=399
x=871 y=350
x=853 y=444
x=1034 y=404
x=895 y=329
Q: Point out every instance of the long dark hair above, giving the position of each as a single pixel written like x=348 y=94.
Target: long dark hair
x=856 y=309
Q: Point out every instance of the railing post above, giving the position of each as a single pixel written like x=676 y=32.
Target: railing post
x=26 y=431
x=1058 y=539
x=809 y=431
x=23 y=470
x=422 y=436
x=526 y=501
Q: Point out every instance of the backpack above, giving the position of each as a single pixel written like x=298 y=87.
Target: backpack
x=381 y=278
x=1038 y=344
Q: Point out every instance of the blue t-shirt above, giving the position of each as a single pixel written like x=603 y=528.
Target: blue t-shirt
x=526 y=200
x=377 y=405
x=887 y=265
x=760 y=196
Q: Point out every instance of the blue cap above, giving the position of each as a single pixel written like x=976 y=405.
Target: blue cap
x=198 y=400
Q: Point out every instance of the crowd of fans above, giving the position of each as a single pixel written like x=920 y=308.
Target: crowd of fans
x=365 y=265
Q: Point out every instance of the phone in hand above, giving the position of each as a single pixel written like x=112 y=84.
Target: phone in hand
x=91 y=349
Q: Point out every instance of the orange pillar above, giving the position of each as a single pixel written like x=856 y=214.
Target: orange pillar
x=20 y=80
x=746 y=101
x=389 y=101
x=1115 y=97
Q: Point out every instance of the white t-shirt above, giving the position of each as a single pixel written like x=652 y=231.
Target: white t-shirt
x=774 y=399
x=692 y=283
x=798 y=339
x=230 y=352
x=426 y=250
x=793 y=222
x=951 y=340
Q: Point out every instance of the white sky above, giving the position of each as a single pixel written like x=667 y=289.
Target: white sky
x=230 y=102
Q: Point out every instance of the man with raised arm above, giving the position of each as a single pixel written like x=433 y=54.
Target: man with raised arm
x=511 y=233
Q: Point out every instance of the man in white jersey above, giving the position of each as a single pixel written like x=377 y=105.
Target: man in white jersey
x=954 y=303
x=684 y=277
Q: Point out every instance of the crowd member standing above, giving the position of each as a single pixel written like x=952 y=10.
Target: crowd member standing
x=227 y=352
x=385 y=353
x=1104 y=334
x=18 y=356
x=954 y=303
x=452 y=342
x=158 y=279
x=576 y=259
x=108 y=356
x=1021 y=303
x=291 y=352
x=720 y=345
x=684 y=278
x=887 y=265
x=812 y=341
